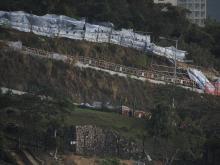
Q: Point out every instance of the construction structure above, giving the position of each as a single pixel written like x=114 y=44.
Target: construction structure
x=197 y=8
x=63 y=26
x=157 y=77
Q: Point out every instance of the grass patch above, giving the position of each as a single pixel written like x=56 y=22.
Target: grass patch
x=124 y=125
x=28 y=111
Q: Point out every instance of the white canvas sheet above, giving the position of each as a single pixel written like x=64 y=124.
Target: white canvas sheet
x=51 y=25
x=201 y=80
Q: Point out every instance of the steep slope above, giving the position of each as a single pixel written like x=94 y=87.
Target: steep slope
x=95 y=33
x=50 y=77
x=109 y=52
x=201 y=43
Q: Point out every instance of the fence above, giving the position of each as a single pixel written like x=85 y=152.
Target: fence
x=113 y=67
x=163 y=69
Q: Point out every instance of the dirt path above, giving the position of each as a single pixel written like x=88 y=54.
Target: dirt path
x=30 y=158
x=79 y=160
x=18 y=159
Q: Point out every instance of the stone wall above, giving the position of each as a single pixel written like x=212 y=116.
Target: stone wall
x=91 y=140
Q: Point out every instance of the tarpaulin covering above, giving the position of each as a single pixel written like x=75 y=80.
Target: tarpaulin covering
x=217 y=86
x=201 y=80
x=62 y=26
x=169 y=52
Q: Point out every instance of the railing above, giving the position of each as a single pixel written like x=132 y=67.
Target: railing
x=114 y=67
x=163 y=69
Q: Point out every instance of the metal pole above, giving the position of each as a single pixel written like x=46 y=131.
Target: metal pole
x=175 y=57
x=175 y=62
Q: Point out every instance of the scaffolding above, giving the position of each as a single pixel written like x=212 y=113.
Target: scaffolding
x=102 y=64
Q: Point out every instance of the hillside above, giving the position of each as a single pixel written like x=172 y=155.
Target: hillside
x=42 y=76
x=201 y=43
x=109 y=52
x=20 y=115
x=184 y=125
x=59 y=80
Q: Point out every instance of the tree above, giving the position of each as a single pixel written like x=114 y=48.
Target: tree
x=163 y=121
x=1 y=137
x=163 y=125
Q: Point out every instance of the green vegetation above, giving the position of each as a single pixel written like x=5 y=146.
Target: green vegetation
x=203 y=44
x=130 y=127
x=199 y=114
x=171 y=134
x=111 y=162
x=28 y=122
x=123 y=13
x=31 y=112
x=108 y=52
x=57 y=79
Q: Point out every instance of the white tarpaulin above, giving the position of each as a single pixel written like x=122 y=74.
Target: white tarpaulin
x=62 y=26
x=201 y=80
x=169 y=52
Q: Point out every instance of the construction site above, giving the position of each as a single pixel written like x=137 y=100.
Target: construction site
x=139 y=87
x=178 y=73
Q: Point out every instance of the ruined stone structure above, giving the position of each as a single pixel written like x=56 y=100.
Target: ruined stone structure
x=91 y=140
